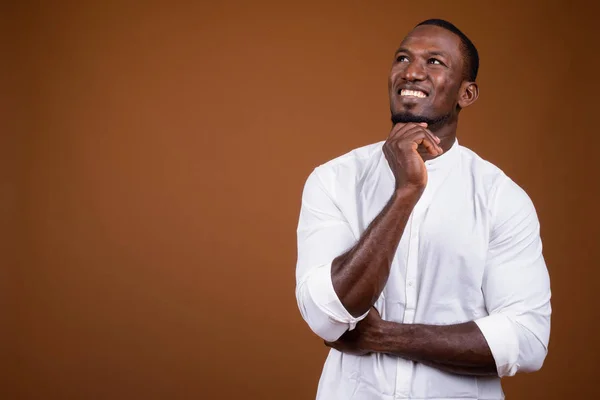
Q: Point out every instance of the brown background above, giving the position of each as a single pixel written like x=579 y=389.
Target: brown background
x=152 y=160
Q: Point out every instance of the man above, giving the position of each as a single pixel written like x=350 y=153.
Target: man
x=419 y=263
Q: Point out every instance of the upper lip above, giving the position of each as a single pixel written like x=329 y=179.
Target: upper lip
x=410 y=87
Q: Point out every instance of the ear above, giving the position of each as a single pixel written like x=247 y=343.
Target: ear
x=468 y=94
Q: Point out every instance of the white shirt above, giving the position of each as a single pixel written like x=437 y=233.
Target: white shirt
x=471 y=251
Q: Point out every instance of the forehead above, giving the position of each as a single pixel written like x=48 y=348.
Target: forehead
x=433 y=39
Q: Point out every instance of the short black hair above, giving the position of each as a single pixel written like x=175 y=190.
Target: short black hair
x=469 y=50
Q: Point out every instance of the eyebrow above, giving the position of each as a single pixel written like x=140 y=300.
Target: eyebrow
x=430 y=53
x=438 y=53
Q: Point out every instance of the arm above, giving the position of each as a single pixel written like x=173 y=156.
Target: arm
x=325 y=281
x=360 y=274
x=459 y=349
x=338 y=275
x=512 y=338
x=516 y=285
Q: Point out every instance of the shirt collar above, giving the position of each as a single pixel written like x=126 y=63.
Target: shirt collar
x=445 y=160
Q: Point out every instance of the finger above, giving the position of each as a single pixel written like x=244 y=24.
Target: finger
x=430 y=141
x=401 y=129
x=430 y=145
x=435 y=140
x=431 y=138
x=421 y=137
x=335 y=346
x=424 y=125
x=395 y=129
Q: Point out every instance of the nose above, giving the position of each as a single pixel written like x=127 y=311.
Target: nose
x=414 y=71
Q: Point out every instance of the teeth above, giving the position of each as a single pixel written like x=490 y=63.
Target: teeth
x=414 y=93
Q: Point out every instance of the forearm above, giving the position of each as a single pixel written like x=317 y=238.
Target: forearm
x=360 y=274
x=459 y=348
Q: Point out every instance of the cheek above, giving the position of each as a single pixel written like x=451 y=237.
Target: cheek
x=441 y=85
x=446 y=93
x=394 y=72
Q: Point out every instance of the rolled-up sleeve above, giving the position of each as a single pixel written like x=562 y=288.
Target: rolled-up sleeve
x=323 y=234
x=516 y=285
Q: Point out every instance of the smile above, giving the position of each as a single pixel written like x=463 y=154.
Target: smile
x=412 y=93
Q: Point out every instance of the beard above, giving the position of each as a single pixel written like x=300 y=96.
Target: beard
x=407 y=117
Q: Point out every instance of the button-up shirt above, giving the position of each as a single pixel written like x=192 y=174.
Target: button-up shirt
x=471 y=251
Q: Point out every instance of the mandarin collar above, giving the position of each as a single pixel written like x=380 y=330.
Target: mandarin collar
x=445 y=160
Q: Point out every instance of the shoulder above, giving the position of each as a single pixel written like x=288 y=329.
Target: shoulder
x=346 y=167
x=507 y=201
x=483 y=170
x=496 y=182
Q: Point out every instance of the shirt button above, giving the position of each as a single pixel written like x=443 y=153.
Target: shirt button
x=410 y=283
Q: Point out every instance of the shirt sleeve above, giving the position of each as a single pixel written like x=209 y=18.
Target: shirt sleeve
x=323 y=234
x=516 y=285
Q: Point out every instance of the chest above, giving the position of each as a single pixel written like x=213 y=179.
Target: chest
x=445 y=240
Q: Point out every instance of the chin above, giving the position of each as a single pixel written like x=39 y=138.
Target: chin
x=405 y=117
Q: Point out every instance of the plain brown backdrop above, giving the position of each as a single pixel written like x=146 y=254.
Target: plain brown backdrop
x=152 y=158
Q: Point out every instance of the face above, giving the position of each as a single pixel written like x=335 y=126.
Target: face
x=427 y=80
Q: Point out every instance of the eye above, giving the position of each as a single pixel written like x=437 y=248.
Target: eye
x=401 y=59
x=435 y=61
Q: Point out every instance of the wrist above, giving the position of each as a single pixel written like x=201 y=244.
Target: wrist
x=380 y=334
x=411 y=193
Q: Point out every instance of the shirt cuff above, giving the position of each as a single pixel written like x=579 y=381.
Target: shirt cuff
x=322 y=293
x=503 y=341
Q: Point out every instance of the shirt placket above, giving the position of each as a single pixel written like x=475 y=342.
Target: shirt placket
x=411 y=270
x=405 y=368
